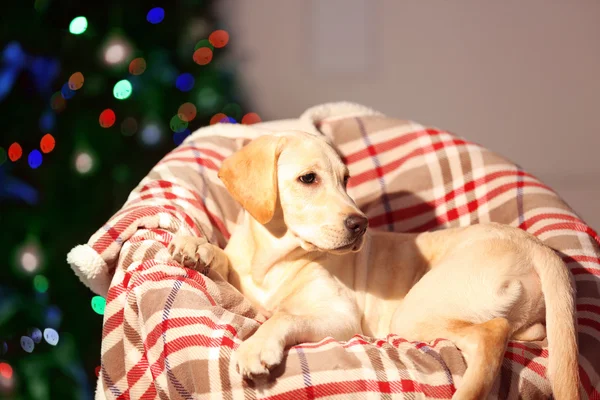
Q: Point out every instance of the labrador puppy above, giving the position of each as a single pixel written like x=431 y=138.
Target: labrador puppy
x=304 y=257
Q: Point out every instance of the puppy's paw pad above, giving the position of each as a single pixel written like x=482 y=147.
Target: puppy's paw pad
x=191 y=251
x=254 y=359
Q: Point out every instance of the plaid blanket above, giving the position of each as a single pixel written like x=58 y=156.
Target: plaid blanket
x=169 y=331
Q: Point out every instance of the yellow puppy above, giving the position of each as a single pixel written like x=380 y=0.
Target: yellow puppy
x=304 y=257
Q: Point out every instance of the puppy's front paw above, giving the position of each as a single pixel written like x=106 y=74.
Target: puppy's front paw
x=191 y=251
x=256 y=357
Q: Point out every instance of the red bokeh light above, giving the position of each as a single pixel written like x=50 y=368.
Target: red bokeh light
x=107 y=118
x=6 y=370
x=217 y=118
x=251 y=118
x=15 y=152
x=137 y=66
x=186 y=112
x=203 y=56
x=219 y=38
x=47 y=143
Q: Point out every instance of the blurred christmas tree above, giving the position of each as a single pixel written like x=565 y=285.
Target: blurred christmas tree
x=93 y=94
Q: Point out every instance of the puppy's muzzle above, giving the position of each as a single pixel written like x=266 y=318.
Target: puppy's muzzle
x=356 y=225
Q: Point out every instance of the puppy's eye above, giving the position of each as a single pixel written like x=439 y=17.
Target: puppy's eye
x=308 y=178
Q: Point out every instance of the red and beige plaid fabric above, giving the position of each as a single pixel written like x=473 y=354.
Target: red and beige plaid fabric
x=169 y=331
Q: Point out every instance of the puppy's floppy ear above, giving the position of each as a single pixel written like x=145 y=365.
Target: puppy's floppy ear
x=250 y=175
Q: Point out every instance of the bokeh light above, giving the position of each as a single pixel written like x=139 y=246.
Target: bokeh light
x=30 y=258
x=57 y=102
x=47 y=143
x=228 y=120
x=115 y=53
x=47 y=121
x=185 y=82
x=177 y=125
x=179 y=137
x=122 y=89
x=233 y=110
x=6 y=370
x=129 y=126
x=36 y=335
x=217 y=118
x=156 y=15
x=40 y=283
x=251 y=118
x=51 y=336
x=219 y=38
x=78 y=25
x=151 y=134
x=53 y=316
x=27 y=344
x=3 y=156
x=15 y=152
x=98 y=304
x=137 y=66
x=204 y=43
x=203 y=56
x=84 y=162
x=107 y=118
x=187 y=112
x=66 y=92
x=76 y=81
x=208 y=99
x=34 y=159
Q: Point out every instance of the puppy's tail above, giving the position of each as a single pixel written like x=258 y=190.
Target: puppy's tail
x=563 y=367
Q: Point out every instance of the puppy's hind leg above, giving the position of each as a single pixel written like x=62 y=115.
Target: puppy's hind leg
x=483 y=346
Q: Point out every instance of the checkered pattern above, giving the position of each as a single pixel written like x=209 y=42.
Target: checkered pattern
x=169 y=331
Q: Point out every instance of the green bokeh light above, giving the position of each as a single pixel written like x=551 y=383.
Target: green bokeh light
x=98 y=304
x=122 y=89
x=40 y=283
x=78 y=25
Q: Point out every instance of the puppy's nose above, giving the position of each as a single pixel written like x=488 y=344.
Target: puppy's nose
x=356 y=223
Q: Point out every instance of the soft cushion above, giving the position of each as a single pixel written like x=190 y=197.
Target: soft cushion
x=169 y=331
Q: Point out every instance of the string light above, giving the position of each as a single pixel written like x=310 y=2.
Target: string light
x=116 y=51
x=34 y=159
x=179 y=137
x=78 y=25
x=84 y=162
x=185 y=82
x=251 y=118
x=51 y=336
x=76 y=81
x=177 y=125
x=57 y=102
x=151 y=134
x=156 y=15
x=66 y=92
x=122 y=89
x=129 y=126
x=47 y=143
x=137 y=66
x=98 y=304
x=15 y=152
x=202 y=56
x=217 y=118
x=27 y=344
x=40 y=283
x=30 y=258
x=187 y=112
x=36 y=335
x=6 y=370
x=107 y=118
x=53 y=316
x=47 y=121
x=219 y=38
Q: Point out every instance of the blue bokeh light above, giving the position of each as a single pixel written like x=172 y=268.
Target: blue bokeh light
x=66 y=92
x=35 y=159
x=179 y=137
x=185 y=82
x=155 y=15
x=47 y=121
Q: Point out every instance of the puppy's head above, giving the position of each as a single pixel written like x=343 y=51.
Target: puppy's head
x=305 y=177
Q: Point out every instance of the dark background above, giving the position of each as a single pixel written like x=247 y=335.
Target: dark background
x=45 y=211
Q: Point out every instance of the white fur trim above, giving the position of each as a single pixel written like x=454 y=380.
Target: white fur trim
x=90 y=268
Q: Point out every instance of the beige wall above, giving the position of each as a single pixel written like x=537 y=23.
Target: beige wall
x=520 y=77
